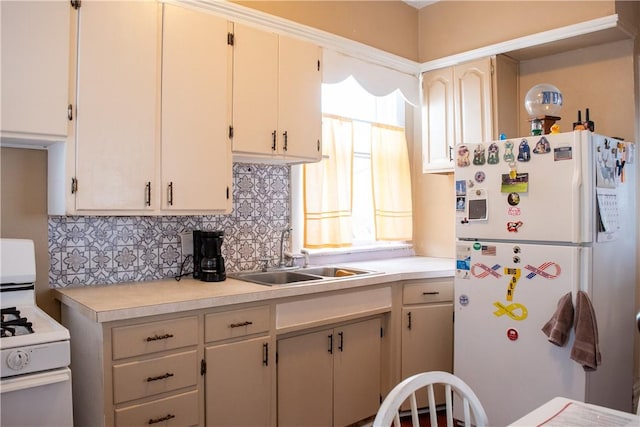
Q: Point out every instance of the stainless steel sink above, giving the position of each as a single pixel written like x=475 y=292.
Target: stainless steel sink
x=290 y=277
x=334 y=271
x=270 y=278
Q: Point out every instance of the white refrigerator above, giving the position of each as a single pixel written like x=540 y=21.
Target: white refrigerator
x=538 y=217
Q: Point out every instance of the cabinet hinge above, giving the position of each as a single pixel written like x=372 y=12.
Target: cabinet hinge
x=203 y=367
x=227 y=193
x=318 y=65
x=230 y=39
x=230 y=131
x=76 y=4
x=74 y=185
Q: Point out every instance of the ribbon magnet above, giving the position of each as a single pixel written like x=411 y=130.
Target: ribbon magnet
x=515 y=276
x=541 y=270
x=481 y=271
x=510 y=310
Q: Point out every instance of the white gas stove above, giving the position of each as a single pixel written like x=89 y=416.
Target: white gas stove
x=34 y=348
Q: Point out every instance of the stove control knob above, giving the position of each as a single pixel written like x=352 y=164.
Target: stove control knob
x=18 y=359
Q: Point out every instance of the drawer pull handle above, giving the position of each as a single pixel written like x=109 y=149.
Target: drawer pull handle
x=160 y=377
x=161 y=419
x=241 y=324
x=431 y=293
x=157 y=337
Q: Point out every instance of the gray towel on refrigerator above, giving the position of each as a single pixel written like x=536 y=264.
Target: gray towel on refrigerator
x=559 y=326
x=585 y=349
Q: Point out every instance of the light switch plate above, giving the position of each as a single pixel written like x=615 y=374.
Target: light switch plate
x=186 y=241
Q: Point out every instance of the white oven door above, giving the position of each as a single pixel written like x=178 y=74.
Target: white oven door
x=38 y=399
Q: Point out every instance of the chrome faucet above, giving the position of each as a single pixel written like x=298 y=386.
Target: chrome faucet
x=284 y=233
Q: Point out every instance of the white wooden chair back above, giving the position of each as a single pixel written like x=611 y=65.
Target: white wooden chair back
x=389 y=410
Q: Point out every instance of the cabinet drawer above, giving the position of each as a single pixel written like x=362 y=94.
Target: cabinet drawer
x=152 y=337
x=180 y=410
x=237 y=323
x=436 y=291
x=148 y=377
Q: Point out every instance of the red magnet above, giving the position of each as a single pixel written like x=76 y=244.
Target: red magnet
x=512 y=334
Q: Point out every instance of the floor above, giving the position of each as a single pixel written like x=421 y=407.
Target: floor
x=424 y=420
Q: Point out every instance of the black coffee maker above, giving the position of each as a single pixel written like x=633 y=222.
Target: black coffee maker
x=208 y=263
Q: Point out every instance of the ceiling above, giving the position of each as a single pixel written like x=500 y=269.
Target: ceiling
x=419 y=4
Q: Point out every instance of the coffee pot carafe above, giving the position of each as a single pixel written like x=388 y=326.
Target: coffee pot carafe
x=208 y=262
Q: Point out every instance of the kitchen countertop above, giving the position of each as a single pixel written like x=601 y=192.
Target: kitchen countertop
x=107 y=303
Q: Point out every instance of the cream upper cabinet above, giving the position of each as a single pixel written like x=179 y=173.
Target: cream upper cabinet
x=465 y=104
x=196 y=150
x=276 y=97
x=117 y=103
x=35 y=69
x=437 y=119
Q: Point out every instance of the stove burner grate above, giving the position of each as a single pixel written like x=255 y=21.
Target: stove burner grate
x=11 y=324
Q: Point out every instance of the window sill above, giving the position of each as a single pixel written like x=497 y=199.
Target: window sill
x=358 y=253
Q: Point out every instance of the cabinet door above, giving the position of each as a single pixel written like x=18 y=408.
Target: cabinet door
x=238 y=384
x=35 y=67
x=196 y=151
x=117 y=90
x=472 y=92
x=427 y=341
x=299 y=99
x=255 y=91
x=437 y=120
x=305 y=378
x=356 y=387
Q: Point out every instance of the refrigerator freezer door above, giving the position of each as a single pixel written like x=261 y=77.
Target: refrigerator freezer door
x=501 y=303
x=536 y=189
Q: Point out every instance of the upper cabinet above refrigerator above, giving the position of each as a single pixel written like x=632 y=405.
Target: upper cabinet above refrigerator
x=467 y=103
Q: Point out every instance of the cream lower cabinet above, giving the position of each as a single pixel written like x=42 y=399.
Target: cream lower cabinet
x=135 y=373
x=427 y=328
x=240 y=367
x=464 y=104
x=330 y=377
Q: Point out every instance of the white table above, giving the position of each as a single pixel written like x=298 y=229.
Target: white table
x=564 y=412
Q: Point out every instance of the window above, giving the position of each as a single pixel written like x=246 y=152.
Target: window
x=360 y=193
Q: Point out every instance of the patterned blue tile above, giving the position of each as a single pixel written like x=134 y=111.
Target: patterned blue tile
x=103 y=250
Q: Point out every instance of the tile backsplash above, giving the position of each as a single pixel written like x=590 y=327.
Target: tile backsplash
x=91 y=250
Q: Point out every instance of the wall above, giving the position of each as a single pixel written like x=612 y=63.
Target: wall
x=23 y=211
x=391 y=26
x=604 y=86
x=451 y=27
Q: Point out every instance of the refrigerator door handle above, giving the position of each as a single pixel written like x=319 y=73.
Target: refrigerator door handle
x=577 y=185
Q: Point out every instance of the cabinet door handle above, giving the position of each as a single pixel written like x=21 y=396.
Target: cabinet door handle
x=450 y=153
x=409 y=318
x=341 y=346
x=160 y=377
x=70 y=112
x=161 y=419
x=284 y=147
x=330 y=343
x=159 y=337
x=431 y=293
x=273 y=141
x=241 y=324
x=147 y=200
x=265 y=354
x=170 y=193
